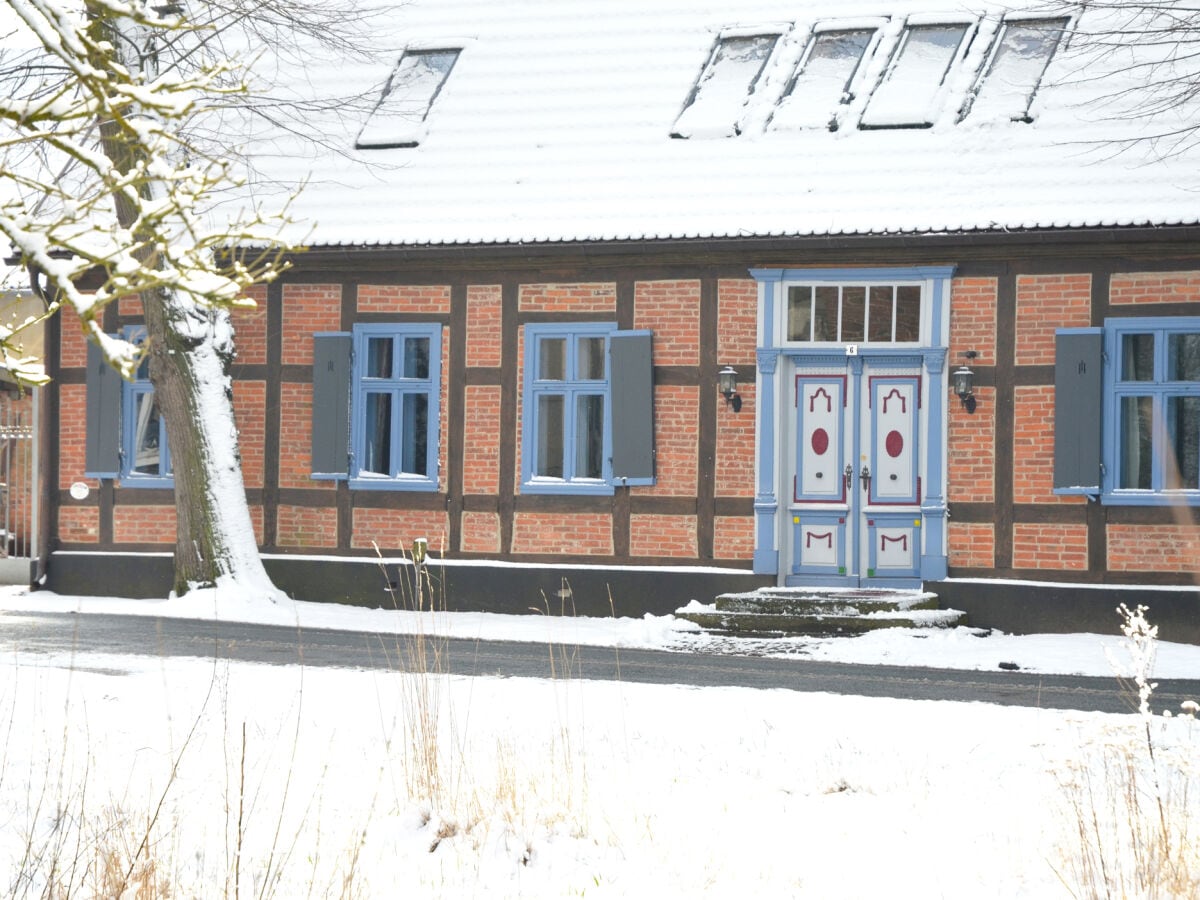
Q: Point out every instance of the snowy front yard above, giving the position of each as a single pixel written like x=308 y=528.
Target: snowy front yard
x=185 y=778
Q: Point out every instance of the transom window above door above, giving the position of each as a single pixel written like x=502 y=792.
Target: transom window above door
x=853 y=313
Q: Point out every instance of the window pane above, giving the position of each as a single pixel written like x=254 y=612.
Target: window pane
x=1016 y=70
x=377 y=448
x=552 y=359
x=800 y=308
x=726 y=82
x=823 y=84
x=414 y=458
x=825 y=318
x=549 y=462
x=1183 y=357
x=1183 y=424
x=1137 y=357
x=908 y=313
x=854 y=314
x=879 y=317
x=147 y=433
x=590 y=359
x=416 y=357
x=906 y=96
x=407 y=97
x=379 y=357
x=589 y=437
x=1136 y=443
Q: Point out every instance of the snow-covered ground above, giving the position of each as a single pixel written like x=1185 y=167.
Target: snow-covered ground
x=237 y=779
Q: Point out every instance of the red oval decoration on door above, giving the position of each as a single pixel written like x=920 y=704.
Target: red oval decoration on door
x=820 y=441
x=894 y=444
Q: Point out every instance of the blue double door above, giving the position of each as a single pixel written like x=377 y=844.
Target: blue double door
x=857 y=457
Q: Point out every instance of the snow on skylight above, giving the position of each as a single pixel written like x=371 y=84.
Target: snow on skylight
x=1019 y=59
x=726 y=82
x=399 y=118
x=909 y=93
x=822 y=85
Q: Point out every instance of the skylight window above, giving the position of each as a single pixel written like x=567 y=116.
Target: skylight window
x=907 y=97
x=398 y=120
x=1011 y=78
x=823 y=83
x=726 y=82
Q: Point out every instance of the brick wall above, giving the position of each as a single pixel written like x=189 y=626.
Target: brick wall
x=250 y=329
x=1056 y=545
x=733 y=537
x=1154 y=548
x=972 y=544
x=737 y=322
x=305 y=526
x=1154 y=287
x=295 y=437
x=484 y=309
x=404 y=298
x=249 y=411
x=394 y=530
x=144 y=524
x=972 y=457
x=79 y=524
x=676 y=411
x=734 y=471
x=481 y=443
x=308 y=308
x=72 y=435
x=575 y=298
x=973 y=320
x=72 y=350
x=671 y=309
x=480 y=532
x=662 y=535
x=1045 y=303
x=576 y=534
x=1033 y=446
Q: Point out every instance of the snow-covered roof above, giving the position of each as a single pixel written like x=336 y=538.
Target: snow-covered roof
x=571 y=120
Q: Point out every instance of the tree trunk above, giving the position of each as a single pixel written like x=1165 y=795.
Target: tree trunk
x=191 y=349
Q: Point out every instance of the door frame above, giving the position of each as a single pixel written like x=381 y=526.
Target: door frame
x=776 y=360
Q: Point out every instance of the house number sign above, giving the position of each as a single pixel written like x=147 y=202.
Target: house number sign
x=852 y=349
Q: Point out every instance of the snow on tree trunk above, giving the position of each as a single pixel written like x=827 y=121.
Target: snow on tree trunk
x=191 y=348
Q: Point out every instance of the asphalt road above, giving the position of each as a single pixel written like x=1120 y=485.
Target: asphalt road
x=59 y=633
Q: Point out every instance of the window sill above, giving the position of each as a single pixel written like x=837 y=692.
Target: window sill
x=1150 y=498
x=146 y=481
x=390 y=484
x=557 y=486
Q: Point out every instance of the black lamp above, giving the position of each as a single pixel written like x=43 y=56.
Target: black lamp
x=727 y=385
x=962 y=380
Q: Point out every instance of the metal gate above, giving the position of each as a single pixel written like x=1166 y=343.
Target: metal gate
x=18 y=480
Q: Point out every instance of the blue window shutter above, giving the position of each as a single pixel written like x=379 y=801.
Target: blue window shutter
x=632 y=397
x=331 y=404
x=102 y=454
x=1078 y=400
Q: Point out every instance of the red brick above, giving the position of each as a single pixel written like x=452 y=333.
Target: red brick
x=295 y=438
x=662 y=535
x=1033 y=446
x=1046 y=303
x=676 y=412
x=1154 y=548
x=1053 y=547
x=484 y=311
x=972 y=456
x=480 y=532
x=580 y=298
x=574 y=534
x=305 y=526
x=433 y=299
x=1154 y=287
x=972 y=545
x=973 y=320
x=394 y=530
x=308 y=308
x=144 y=524
x=481 y=443
x=249 y=411
x=79 y=524
x=250 y=329
x=737 y=322
x=671 y=309
x=733 y=538
x=733 y=473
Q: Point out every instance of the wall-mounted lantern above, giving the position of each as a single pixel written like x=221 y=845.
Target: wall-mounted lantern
x=962 y=380
x=727 y=385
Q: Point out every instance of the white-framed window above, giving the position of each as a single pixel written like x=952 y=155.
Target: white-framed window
x=853 y=313
x=716 y=103
x=1018 y=58
x=825 y=80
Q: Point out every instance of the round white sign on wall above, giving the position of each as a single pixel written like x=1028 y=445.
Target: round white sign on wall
x=79 y=490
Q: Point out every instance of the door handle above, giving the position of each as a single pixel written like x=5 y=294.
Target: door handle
x=848 y=476
x=865 y=475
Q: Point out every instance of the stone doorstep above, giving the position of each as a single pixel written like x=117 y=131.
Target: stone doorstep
x=779 y=612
